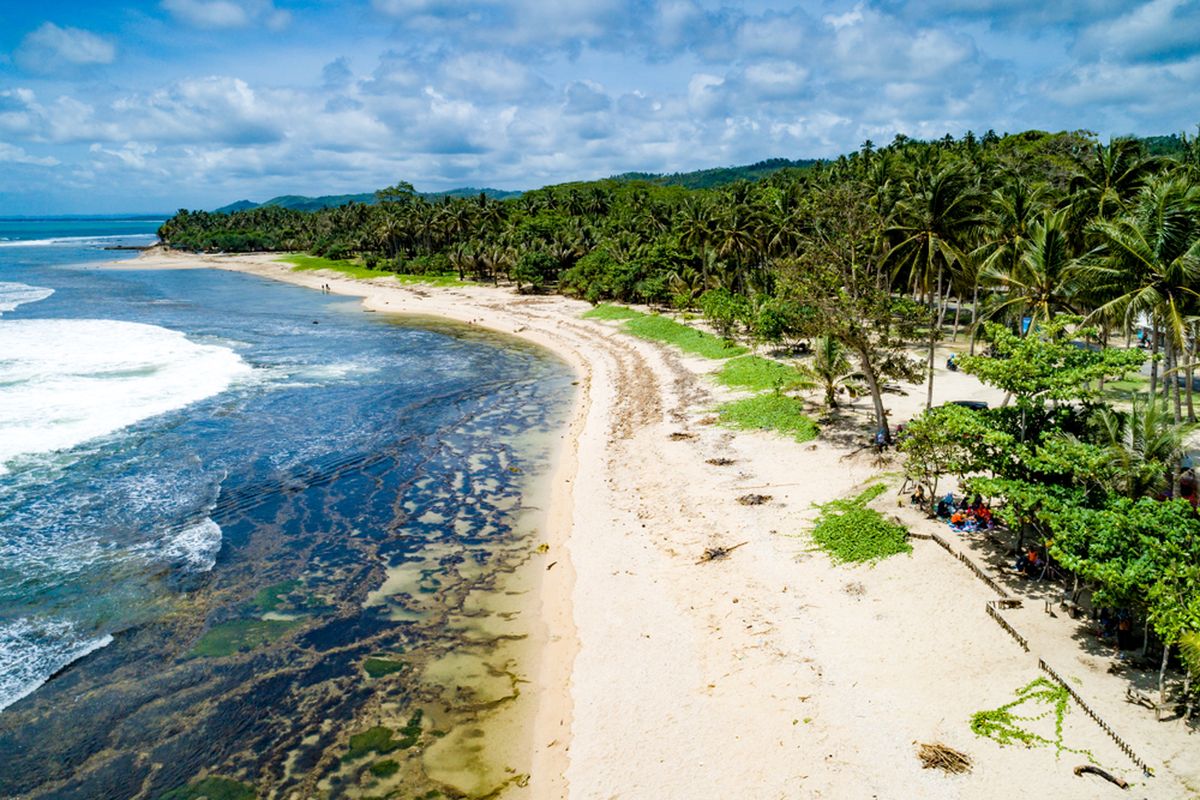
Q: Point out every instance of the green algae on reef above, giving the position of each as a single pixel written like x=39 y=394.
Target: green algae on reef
x=212 y=789
x=379 y=667
x=240 y=635
x=269 y=598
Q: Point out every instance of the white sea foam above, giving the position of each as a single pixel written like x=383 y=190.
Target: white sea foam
x=75 y=240
x=66 y=381
x=31 y=651
x=194 y=548
x=18 y=294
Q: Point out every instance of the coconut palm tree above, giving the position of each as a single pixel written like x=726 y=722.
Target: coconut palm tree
x=1038 y=281
x=1148 y=262
x=1141 y=447
x=1108 y=177
x=933 y=223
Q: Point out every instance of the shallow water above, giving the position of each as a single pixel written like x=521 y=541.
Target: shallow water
x=244 y=522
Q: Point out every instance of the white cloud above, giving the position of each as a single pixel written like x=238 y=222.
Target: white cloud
x=1155 y=29
x=228 y=13
x=54 y=49
x=15 y=155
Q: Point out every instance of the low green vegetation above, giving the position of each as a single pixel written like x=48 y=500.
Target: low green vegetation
x=1126 y=389
x=851 y=532
x=240 y=635
x=306 y=263
x=769 y=412
x=354 y=269
x=269 y=597
x=658 y=328
x=1003 y=726
x=757 y=374
x=212 y=789
x=611 y=311
x=379 y=667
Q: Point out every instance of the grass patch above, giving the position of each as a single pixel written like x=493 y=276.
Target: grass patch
x=212 y=789
x=240 y=635
x=305 y=263
x=385 y=769
x=302 y=262
x=755 y=373
x=428 y=280
x=269 y=598
x=611 y=311
x=769 y=412
x=851 y=532
x=379 y=667
x=664 y=329
x=1125 y=390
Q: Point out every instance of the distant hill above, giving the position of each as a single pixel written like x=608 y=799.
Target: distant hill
x=298 y=202
x=719 y=176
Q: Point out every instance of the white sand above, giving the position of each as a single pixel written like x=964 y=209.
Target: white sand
x=770 y=674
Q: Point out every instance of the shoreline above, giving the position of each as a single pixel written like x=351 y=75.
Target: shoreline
x=771 y=673
x=552 y=720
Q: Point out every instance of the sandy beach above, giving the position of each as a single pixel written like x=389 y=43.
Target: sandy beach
x=771 y=673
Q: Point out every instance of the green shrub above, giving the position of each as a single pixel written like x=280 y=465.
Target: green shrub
x=851 y=532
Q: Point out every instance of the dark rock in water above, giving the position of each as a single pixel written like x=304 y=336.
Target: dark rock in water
x=341 y=632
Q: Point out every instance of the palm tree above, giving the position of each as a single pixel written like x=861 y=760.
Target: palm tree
x=1140 y=448
x=830 y=368
x=1013 y=210
x=1148 y=262
x=1108 y=177
x=1037 y=283
x=933 y=223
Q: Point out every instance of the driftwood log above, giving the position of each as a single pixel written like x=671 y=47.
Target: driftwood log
x=1088 y=769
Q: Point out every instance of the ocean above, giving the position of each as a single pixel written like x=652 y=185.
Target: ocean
x=242 y=522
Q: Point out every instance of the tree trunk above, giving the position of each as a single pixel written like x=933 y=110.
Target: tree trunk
x=934 y=326
x=1145 y=637
x=1162 y=677
x=1103 y=344
x=1191 y=376
x=957 y=313
x=1153 y=359
x=868 y=371
x=974 y=314
x=1178 y=412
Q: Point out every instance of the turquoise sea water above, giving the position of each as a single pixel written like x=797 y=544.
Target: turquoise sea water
x=202 y=476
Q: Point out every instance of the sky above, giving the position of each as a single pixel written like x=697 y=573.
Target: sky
x=110 y=107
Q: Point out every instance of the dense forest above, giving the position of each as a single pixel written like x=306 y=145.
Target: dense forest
x=1048 y=253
